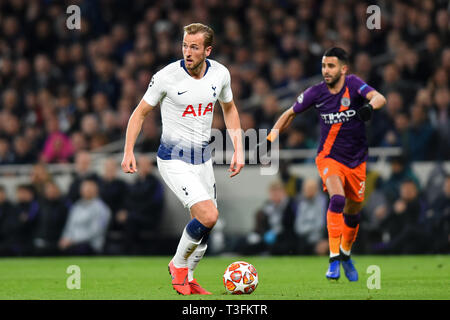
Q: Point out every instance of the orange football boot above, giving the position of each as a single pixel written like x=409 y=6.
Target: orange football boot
x=179 y=279
x=196 y=288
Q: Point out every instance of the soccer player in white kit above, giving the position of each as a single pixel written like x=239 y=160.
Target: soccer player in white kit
x=187 y=91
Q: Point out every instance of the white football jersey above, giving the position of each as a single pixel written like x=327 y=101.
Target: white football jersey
x=187 y=107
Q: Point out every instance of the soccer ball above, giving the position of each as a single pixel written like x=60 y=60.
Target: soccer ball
x=240 y=277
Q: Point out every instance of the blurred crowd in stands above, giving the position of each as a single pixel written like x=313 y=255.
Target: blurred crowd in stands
x=62 y=90
x=400 y=216
x=99 y=213
x=65 y=93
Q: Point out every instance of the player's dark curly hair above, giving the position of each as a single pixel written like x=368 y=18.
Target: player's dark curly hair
x=337 y=52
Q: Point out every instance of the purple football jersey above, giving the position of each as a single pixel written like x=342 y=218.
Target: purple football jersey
x=342 y=134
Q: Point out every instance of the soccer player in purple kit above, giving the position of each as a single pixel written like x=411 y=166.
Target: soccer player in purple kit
x=344 y=103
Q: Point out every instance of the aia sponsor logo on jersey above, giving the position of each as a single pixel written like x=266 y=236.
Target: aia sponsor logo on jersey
x=200 y=110
x=338 y=117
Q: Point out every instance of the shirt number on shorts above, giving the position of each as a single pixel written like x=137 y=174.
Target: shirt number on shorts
x=362 y=184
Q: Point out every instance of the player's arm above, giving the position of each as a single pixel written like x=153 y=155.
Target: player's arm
x=133 y=129
x=233 y=124
x=282 y=124
x=376 y=101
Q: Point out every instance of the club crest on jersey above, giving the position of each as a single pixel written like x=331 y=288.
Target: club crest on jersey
x=345 y=101
x=338 y=117
x=214 y=89
x=199 y=111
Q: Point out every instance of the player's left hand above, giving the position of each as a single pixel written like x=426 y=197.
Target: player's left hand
x=235 y=165
x=365 y=112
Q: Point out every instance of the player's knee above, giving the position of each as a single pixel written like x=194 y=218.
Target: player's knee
x=337 y=203
x=210 y=218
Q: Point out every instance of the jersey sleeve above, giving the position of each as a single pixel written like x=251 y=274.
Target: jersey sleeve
x=361 y=87
x=155 y=90
x=226 y=95
x=304 y=100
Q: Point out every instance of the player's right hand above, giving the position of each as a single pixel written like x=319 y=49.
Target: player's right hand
x=129 y=163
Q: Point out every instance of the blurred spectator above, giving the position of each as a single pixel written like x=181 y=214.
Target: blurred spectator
x=6 y=156
x=439 y=219
x=421 y=138
x=9 y=225
x=23 y=153
x=83 y=171
x=144 y=205
x=58 y=147
x=397 y=136
x=267 y=113
x=435 y=182
x=400 y=171
x=51 y=221
x=39 y=177
x=18 y=221
x=292 y=182
x=440 y=118
x=297 y=138
x=113 y=191
x=273 y=231
x=87 y=223
x=110 y=126
x=405 y=226
x=374 y=213
x=310 y=218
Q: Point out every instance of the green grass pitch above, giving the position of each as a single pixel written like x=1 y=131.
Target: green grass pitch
x=280 y=278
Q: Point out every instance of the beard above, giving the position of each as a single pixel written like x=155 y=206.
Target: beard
x=333 y=80
x=196 y=66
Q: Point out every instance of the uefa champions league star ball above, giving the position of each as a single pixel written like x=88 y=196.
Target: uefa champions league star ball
x=240 y=277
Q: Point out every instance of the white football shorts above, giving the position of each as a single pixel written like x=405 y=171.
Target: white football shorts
x=191 y=183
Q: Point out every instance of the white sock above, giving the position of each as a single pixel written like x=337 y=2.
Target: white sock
x=332 y=255
x=347 y=253
x=194 y=259
x=186 y=247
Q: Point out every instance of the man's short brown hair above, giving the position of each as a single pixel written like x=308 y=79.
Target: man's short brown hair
x=194 y=28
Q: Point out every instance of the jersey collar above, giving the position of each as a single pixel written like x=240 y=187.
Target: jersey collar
x=208 y=64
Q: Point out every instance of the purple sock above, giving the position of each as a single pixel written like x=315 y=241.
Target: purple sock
x=352 y=220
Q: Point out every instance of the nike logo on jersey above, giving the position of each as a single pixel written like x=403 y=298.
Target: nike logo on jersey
x=319 y=105
x=180 y=93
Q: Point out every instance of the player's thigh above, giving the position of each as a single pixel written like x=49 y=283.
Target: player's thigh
x=332 y=176
x=183 y=181
x=206 y=212
x=205 y=173
x=334 y=185
x=355 y=187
